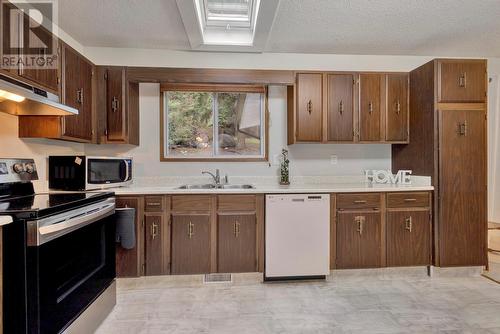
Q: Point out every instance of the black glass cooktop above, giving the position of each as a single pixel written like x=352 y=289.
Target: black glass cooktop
x=41 y=205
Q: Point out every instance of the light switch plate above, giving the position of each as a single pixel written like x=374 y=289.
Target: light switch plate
x=333 y=159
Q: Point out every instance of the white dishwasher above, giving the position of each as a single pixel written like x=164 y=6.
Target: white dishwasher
x=297 y=236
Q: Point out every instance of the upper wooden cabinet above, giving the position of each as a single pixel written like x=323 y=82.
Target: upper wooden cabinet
x=309 y=107
x=117 y=106
x=461 y=80
x=348 y=108
x=76 y=92
x=340 y=107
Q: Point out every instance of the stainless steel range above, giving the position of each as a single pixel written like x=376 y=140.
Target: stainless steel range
x=58 y=253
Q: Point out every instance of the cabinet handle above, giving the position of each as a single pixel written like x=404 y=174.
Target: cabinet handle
x=410 y=199
x=462 y=128
x=153 y=204
x=115 y=104
x=360 y=220
x=398 y=107
x=462 y=80
x=154 y=230
x=408 y=224
x=359 y=201
x=309 y=107
x=341 y=107
x=370 y=107
x=236 y=229
x=79 y=96
x=190 y=230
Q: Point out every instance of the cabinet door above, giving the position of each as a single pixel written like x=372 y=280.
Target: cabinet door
x=408 y=238
x=190 y=244
x=397 y=108
x=309 y=107
x=48 y=78
x=115 y=99
x=462 y=81
x=462 y=187
x=340 y=107
x=129 y=262
x=369 y=107
x=156 y=244
x=236 y=243
x=76 y=72
x=358 y=240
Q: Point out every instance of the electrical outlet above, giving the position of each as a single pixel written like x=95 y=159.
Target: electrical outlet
x=333 y=159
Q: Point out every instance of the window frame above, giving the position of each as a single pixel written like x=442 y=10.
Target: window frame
x=213 y=88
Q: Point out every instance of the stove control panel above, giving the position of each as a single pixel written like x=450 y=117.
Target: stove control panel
x=17 y=170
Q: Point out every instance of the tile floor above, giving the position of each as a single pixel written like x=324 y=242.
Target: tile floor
x=409 y=303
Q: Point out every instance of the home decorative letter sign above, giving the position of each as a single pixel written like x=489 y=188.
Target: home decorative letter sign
x=386 y=176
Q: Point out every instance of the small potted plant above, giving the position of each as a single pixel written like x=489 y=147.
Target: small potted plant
x=284 y=168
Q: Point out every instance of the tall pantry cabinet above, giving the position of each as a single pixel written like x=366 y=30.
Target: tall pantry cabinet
x=448 y=142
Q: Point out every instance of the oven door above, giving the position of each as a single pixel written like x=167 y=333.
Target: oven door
x=72 y=265
x=108 y=172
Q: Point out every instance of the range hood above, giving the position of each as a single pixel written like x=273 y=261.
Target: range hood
x=18 y=98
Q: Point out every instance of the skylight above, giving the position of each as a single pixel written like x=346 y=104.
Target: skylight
x=228 y=13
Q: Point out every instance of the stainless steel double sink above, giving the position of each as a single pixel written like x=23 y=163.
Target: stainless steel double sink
x=216 y=186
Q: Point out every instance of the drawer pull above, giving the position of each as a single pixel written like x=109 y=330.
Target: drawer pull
x=408 y=224
x=236 y=229
x=359 y=201
x=190 y=230
x=410 y=199
x=154 y=204
x=360 y=220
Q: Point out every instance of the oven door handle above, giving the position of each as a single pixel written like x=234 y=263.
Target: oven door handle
x=53 y=231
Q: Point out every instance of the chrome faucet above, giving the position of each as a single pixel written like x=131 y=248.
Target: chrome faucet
x=215 y=176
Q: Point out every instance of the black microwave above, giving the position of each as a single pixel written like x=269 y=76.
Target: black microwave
x=77 y=172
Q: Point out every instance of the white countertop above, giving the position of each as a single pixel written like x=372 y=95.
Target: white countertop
x=4 y=220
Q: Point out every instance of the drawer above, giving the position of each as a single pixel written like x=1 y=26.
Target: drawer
x=408 y=200
x=236 y=202
x=154 y=203
x=191 y=203
x=358 y=201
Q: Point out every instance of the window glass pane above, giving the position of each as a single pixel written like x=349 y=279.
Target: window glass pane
x=239 y=124
x=190 y=124
x=228 y=10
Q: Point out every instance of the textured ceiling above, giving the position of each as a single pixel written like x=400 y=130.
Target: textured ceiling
x=394 y=27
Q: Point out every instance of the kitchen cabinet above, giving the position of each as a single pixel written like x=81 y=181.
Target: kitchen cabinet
x=408 y=238
x=309 y=107
x=358 y=239
x=190 y=244
x=343 y=107
x=236 y=243
x=130 y=262
x=340 y=107
x=117 y=106
x=397 y=108
x=156 y=235
x=76 y=92
x=449 y=144
x=370 y=88
x=462 y=81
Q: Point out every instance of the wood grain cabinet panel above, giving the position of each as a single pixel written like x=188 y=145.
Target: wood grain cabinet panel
x=397 y=108
x=190 y=244
x=340 y=107
x=462 y=80
x=309 y=107
x=129 y=262
x=408 y=200
x=408 y=238
x=358 y=201
x=358 y=239
x=156 y=244
x=463 y=195
x=236 y=243
x=369 y=106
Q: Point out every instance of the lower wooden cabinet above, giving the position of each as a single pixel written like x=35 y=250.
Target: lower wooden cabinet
x=236 y=243
x=358 y=239
x=156 y=243
x=190 y=244
x=408 y=238
x=129 y=262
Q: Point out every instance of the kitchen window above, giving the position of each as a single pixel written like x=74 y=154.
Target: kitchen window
x=213 y=122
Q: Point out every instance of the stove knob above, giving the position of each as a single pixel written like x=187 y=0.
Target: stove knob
x=18 y=168
x=30 y=168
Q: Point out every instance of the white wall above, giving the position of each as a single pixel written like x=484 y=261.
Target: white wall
x=11 y=146
x=306 y=159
